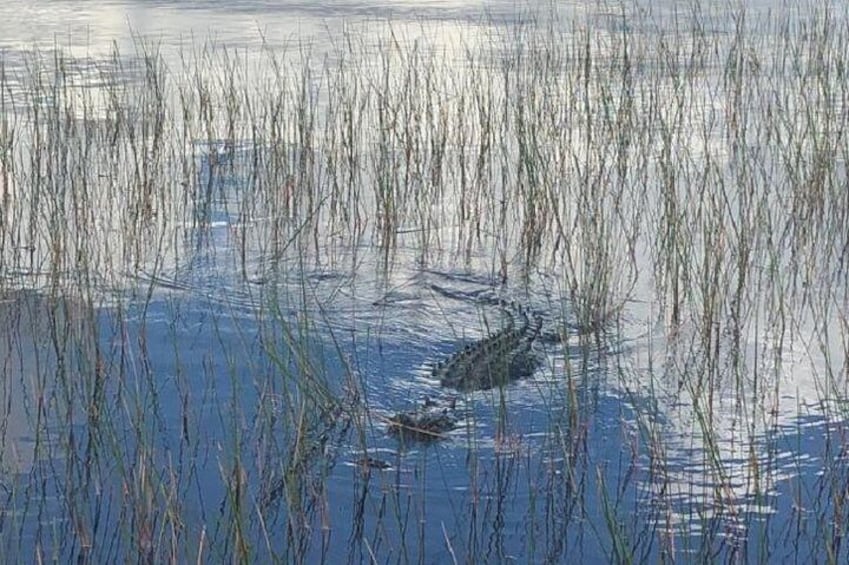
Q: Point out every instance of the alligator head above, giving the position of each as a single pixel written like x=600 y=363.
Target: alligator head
x=429 y=421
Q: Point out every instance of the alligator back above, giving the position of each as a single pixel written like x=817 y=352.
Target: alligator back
x=495 y=360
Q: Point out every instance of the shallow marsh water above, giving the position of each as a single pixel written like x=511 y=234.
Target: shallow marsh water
x=215 y=294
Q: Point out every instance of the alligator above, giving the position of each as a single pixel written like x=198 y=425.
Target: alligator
x=496 y=360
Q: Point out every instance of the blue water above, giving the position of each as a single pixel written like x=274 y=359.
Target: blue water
x=558 y=476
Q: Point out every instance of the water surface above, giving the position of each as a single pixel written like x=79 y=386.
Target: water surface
x=210 y=311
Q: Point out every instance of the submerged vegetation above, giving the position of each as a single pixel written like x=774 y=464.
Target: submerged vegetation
x=222 y=269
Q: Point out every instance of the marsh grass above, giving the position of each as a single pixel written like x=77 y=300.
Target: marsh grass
x=689 y=179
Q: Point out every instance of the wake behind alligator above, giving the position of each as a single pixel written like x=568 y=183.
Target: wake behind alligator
x=494 y=361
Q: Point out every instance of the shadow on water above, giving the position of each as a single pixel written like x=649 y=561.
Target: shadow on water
x=177 y=401
x=53 y=379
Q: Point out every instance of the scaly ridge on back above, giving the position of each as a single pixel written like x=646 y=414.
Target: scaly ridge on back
x=495 y=360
